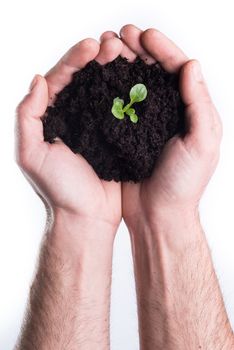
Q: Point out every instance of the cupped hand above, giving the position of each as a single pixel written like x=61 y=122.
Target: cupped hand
x=187 y=163
x=64 y=180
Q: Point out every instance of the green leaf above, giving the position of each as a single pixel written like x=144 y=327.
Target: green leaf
x=117 y=108
x=138 y=93
x=130 y=111
x=118 y=102
x=118 y=113
x=134 y=118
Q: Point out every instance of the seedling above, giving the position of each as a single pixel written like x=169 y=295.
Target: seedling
x=137 y=93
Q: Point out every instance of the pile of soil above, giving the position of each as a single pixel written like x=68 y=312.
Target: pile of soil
x=117 y=149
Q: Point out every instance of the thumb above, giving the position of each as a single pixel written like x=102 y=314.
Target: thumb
x=29 y=128
x=35 y=102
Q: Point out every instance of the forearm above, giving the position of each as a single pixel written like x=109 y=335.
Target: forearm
x=179 y=301
x=70 y=296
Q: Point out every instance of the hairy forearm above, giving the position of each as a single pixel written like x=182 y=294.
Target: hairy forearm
x=70 y=296
x=179 y=300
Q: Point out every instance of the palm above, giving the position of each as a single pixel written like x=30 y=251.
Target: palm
x=69 y=181
x=169 y=183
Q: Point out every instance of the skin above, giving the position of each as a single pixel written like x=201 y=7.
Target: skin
x=69 y=293
x=179 y=301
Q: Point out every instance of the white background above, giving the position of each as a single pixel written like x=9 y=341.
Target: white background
x=34 y=34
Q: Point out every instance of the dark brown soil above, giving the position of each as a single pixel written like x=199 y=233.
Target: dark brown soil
x=117 y=149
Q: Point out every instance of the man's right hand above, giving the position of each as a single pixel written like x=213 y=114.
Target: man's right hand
x=70 y=296
x=64 y=180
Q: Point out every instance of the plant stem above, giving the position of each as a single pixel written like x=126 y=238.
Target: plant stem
x=128 y=106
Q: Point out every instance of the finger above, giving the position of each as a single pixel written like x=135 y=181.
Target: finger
x=29 y=129
x=163 y=50
x=109 y=50
x=108 y=35
x=131 y=36
x=203 y=121
x=126 y=51
x=76 y=58
x=193 y=87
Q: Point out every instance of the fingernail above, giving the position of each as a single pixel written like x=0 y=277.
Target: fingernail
x=33 y=83
x=197 y=71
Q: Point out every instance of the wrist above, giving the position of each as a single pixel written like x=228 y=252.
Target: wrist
x=160 y=243
x=81 y=227
x=80 y=237
x=175 y=226
x=88 y=218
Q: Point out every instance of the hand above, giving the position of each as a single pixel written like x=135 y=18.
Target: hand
x=64 y=180
x=187 y=163
x=176 y=283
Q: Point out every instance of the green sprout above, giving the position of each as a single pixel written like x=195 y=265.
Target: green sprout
x=137 y=94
